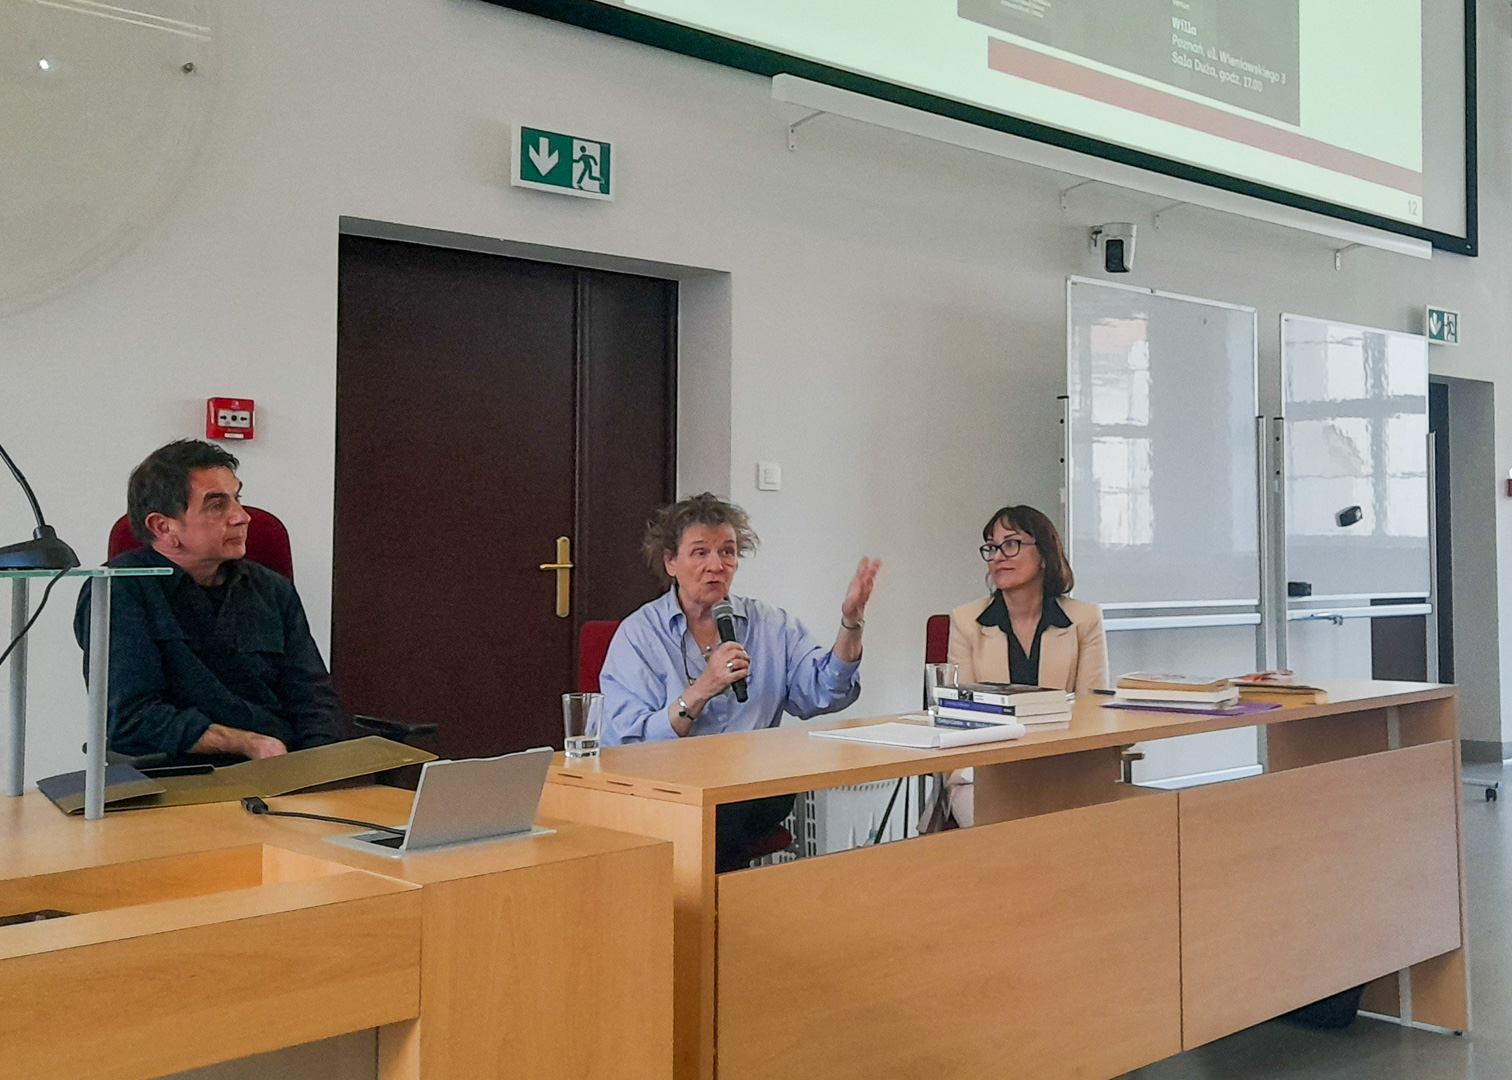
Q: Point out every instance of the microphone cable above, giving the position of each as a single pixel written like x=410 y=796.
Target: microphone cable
x=34 y=615
x=253 y=805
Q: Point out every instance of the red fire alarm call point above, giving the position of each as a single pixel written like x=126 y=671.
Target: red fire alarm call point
x=228 y=418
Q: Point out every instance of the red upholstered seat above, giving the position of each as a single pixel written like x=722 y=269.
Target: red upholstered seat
x=937 y=639
x=593 y=646
x=779 y=839
x=267 y=541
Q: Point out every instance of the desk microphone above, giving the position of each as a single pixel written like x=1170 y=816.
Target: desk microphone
x=724 y=619
x=44 y=551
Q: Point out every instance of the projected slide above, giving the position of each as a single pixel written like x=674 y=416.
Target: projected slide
x=1240 y=51
x=1318 y=97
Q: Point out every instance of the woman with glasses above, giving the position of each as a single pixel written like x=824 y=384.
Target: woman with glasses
x=1028 y=630
x=667 y=675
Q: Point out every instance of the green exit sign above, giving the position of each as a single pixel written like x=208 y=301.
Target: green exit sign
x=562 y=164
x=1443 y=326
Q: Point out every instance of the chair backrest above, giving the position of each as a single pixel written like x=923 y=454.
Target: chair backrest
x=937 y=639
x=267 y=541
x=593 y=646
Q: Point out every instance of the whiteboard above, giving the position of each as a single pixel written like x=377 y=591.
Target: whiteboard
x=1161 y=456
x=1355 y=402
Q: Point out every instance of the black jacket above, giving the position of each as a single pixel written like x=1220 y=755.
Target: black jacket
x=177 y=665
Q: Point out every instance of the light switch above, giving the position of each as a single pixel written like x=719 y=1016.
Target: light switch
x=768 y=476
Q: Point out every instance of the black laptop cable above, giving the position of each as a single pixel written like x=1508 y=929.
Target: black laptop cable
x=253 y=805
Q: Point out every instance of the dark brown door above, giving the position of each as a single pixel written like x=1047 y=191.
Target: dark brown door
x=486 y=406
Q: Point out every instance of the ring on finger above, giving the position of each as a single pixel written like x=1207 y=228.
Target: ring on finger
x=729 y=665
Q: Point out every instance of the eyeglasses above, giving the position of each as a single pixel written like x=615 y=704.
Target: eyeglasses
x=1008 y=548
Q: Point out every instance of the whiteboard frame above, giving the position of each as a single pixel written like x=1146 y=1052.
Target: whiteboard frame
x=1290 y=609
x=1168 y=619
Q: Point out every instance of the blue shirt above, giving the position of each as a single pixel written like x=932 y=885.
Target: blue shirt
x=653 y=660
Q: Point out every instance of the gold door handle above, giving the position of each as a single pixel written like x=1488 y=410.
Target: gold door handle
x=563 y=569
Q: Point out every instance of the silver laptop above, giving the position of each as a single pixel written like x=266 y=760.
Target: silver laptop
x=463 y=802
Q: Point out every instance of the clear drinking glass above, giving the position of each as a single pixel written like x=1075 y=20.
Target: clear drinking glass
x=936 y=676
x=583 y=718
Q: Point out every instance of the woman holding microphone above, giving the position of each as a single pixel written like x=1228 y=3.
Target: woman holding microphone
x=668 y=674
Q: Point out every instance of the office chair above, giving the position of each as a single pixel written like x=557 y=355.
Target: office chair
x=936 y=645
x=267 y=545
x=267 y=541
x=593 y=646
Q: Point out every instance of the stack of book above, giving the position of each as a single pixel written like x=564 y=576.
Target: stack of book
x=975 y=704
x=1184 y=693
x=1280 y=687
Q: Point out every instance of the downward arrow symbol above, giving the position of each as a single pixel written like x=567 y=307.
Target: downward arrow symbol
x=544 y=159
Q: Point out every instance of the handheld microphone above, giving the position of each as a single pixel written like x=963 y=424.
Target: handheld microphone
x=724 y=619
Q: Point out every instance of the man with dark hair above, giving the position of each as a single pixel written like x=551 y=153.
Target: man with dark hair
x=217 y=657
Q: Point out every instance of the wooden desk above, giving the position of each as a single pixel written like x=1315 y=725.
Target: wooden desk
x=207 y=934
x=1084 y=927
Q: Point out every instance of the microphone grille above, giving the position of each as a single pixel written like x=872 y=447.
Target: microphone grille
x=722 y=610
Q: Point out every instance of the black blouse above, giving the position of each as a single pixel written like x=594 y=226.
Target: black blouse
x=1023 y=669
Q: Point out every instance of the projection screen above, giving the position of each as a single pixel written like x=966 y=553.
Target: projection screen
x=1360 y=109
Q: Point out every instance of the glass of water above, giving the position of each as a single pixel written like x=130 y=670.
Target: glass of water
x=583 y=718
x=936 y=676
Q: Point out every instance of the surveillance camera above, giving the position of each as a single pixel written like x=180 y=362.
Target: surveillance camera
x=1116 y=242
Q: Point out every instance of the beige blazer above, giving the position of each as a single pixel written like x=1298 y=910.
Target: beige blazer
x=1074 y=657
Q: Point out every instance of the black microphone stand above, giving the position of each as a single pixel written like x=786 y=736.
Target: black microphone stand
x=44 y=551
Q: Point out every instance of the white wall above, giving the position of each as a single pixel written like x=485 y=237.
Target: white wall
x=896 y=307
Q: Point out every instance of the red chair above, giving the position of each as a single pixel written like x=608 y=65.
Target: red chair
x=267 y=541
x=936 y=645
x=937 y=639
x=593 y=646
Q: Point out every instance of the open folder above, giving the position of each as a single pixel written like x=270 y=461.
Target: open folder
x=922 y=737
x=127 y=789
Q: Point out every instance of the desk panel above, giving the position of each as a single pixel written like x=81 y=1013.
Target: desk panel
x=232 y=983
x=567 y=969
x=1039 y=948
x=1299 y=884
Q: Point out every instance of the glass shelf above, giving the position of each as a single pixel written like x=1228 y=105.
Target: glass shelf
x=90 y=571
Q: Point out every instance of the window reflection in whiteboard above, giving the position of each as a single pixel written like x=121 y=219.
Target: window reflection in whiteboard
x=1121 y=372
x=1345 y=375
x=1125 y=511
x=1330 y=466
x=1407 y=506
x=1406 y=374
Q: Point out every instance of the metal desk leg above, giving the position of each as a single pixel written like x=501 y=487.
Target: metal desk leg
x=99 y=697
x=15 y=779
